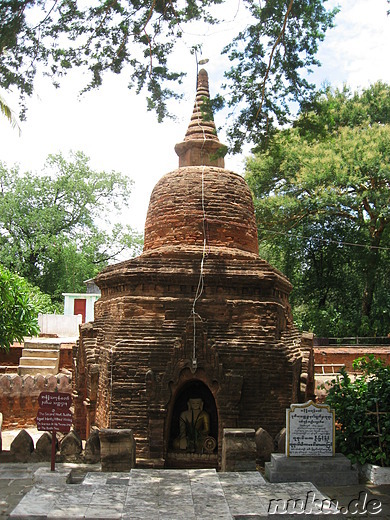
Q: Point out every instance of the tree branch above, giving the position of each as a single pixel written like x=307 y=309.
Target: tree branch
x=271 y=56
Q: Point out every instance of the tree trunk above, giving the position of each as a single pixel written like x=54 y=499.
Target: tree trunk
x=370 y=278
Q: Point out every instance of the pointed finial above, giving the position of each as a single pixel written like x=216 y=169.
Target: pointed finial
x=201 y=143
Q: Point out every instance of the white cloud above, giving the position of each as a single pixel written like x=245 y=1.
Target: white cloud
x=355 y=50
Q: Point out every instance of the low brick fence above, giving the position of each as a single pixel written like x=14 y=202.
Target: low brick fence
x=19 y=396
x=346 y=354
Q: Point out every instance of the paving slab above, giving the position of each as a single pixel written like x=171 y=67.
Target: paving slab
x=161 y=494
x=148 y=494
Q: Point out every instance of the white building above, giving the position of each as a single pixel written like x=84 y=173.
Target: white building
x=82 y=303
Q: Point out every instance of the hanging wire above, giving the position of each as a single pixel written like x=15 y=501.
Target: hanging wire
x=200 y=287
x=111 y=363
x=327 y=240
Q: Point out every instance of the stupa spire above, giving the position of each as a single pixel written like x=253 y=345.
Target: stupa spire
x=201 y=146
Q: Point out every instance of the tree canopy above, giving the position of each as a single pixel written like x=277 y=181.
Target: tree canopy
x=57 y=228
x=322 y=198
x=270 y=57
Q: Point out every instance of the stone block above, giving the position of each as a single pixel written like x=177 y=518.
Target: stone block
x=280 y=441
x=22 y=447
x=238 y=449
x=71 y=447
x=117 y=450
x=92 y=448
x=264 y=445
x=43 y=448
x=321 y=471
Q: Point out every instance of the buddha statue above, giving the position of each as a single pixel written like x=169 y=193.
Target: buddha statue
x=194 y=427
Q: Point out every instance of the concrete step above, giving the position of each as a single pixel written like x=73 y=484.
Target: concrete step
x=40 y=352
x=34 y=370
x=41 y=345
x=38 y=361
x=39 y=357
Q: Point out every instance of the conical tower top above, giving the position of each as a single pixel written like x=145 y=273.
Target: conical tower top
x=201 y=146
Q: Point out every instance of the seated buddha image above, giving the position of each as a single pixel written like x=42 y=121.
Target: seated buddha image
x=194 y=427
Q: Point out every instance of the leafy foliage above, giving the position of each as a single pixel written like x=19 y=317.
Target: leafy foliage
x=43 y=302
x=319 y=188
x=356 y=403
x=270 y=57
x=6 y=111
x=18 y=313
x=52 y=227
x=107 y=35
x=270 y=61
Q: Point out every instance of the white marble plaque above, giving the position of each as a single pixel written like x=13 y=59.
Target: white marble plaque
x=310 y=430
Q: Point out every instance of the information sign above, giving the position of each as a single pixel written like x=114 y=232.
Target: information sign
x=52 y=420
x=54 y=416
x=310 y=430
x=59 y=400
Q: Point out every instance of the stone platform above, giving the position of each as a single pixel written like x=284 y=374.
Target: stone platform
x=163 y=495
x=322 y=471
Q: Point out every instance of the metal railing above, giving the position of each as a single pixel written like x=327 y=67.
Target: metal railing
x=327 y=368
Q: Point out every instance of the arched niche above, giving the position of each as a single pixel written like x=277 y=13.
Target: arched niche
x=192 y=389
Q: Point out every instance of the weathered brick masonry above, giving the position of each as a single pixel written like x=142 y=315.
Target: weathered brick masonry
x=345 y=355
x=19 y=396
x=10 y=358
x=197 y=313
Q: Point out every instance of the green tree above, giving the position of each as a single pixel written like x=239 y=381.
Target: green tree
x=18 y=315
x=362 y=433
x=268 y=58
x=78 y=260
x=52 y=225
x=324 y=184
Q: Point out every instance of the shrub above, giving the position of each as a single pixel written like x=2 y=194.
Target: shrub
x=362 y=410
x=18 y=315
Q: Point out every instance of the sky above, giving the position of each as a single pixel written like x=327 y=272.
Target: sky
x=112 y=126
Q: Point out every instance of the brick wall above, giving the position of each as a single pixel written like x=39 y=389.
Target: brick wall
x=19 y=396
x=11 y=357
x=65 y=357
x=346 y=354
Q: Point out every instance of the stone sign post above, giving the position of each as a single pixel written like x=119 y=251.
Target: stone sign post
x=54 y=416
x=310 y=430
x=310 y=450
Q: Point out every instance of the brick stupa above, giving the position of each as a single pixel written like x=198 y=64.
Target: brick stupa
x=198 y=313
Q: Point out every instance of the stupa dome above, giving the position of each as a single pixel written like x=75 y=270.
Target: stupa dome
x=201 y=202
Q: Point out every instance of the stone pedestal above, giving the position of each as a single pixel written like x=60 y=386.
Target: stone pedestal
x=238 y=449
x=321 y=471
x=117 y=450
x=375 y=474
